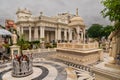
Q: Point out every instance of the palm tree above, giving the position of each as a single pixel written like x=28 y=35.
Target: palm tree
x=20 y=42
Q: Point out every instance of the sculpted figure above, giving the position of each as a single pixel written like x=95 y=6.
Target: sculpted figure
x=113 y=52
x=14 y=38
x=113 y=46
x=24 y=66
x=16 y=68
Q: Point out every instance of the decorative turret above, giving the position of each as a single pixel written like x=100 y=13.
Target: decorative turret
x=25 y=11
x=41 y=13
x=76 y=21
x=23 y=14
x=78 y=26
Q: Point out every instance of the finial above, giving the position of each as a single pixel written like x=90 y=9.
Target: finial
x=77 y=12
x=41 y=13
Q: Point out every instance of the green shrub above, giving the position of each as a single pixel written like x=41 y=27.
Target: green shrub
x=48 y=45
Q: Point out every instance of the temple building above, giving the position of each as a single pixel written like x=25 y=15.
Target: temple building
x=63 y=27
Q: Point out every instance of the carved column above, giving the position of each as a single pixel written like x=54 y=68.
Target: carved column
x=82 y=35
x=29 y=33
x=56 y=34
x=36 y=33
x=42 y=32
x=65 y=34
x=59 y=34
x=70 y=34
x=78 y=35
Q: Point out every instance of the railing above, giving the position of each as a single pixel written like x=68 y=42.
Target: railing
x=79 y=46
x=38 y=50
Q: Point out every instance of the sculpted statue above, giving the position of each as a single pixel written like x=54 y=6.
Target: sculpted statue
x=14 y=38
x=16 y=68
x=113 y=52
x=24 y=67
x=113 y=46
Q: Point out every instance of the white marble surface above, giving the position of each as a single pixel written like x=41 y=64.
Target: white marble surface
x=52 y=74
x=36 y=73
x=52 y=71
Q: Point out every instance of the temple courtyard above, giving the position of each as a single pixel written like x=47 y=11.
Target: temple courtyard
x=58 y=47
x=49 y=69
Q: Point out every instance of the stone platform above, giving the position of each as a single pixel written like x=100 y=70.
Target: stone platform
x=78 y=56
x=79 y=53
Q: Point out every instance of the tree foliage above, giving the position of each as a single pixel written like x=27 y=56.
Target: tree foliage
x=2 y=26
x=112 y=9
x=95 y=31
x=22 y=43
x=107 y=30
x=98 y=31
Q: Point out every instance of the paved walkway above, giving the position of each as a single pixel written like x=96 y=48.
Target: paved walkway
x=48 y=70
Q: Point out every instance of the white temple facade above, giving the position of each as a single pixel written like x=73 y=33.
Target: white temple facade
x=63 y=27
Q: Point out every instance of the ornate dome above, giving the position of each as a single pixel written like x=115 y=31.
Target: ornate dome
x=76 y=18
x=76 y=21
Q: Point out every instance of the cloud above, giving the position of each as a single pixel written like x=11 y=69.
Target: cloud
x=89 y=10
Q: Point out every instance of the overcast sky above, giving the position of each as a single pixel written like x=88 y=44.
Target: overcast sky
x=89 y=10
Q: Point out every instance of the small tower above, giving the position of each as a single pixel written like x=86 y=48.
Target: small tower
x=77 y=24
x=23 y=14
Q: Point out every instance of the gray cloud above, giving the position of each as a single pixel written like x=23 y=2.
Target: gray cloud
x=89 y=10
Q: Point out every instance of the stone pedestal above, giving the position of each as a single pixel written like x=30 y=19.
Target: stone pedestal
x=15 y=50
x=106 y=71
x=79 y=56
x=78 y=53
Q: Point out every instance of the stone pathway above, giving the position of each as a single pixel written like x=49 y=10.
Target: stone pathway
x=50 y=70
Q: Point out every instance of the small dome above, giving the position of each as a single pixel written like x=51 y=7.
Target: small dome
x=75 y=21
x=77 y=18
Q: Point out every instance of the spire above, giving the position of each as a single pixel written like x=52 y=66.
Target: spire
x=77 y=12
x=41 y=13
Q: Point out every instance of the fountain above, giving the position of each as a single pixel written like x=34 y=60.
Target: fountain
x=22 y=64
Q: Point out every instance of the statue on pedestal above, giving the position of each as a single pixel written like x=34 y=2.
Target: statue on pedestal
x=14 y=38
x=22 y=66
x=113 y=51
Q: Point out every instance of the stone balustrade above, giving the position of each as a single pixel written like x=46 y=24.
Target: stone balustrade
x=79 y=46
x=88 y=59
x=39 y=50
